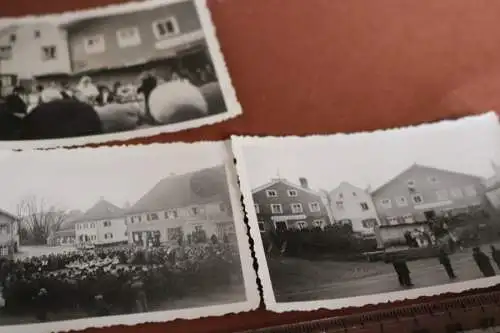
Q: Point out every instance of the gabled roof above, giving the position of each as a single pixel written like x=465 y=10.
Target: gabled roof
x=6 y=213
x=194 y=188
x=414 y=166
x=345 y=184
x=100 y=211
x=287 y=183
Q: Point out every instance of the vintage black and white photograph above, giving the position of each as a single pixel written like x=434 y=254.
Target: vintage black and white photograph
x=92 y=233
x=347 y=220
x=132 y=70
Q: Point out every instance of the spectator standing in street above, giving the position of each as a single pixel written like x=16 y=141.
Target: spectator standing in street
x=444 y=260
x=495 y=254
x=483 y=262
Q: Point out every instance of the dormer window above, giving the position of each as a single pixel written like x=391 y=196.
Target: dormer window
x=272 y=193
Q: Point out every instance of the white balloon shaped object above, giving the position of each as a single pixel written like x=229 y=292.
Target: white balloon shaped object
x=176 y=96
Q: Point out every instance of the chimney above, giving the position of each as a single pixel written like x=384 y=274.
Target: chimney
x=303 y=182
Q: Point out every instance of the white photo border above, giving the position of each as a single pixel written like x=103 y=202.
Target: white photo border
x=252 y=295
x=233 y=106
x=238 y=144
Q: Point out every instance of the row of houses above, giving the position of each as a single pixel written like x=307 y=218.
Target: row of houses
x=192 y=207
x=111 y=48
x=416 y=195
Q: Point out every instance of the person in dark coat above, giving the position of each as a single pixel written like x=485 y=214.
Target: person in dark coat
x=483 y=262
x=14 y=103
x=41 y=303
x=62 y=118
x=495 y=254
x=148 y=84
x=445 y=261
x=12 y=111
x=403 y=271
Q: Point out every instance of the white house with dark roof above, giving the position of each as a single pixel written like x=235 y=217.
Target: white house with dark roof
x=9 y=233
x=102 y=224
x=193 y=207
x=352 y=205
x=282 y=205
x=421 y=193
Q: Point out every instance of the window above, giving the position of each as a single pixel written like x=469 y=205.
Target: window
x=85 y=226
x=433 y=180
x=369 y=223
x=301 y=225
x=456 y=193
x=171 y=214
x=297 y=208
x=401 y=201
x=470 y=191
x=257 y=208
x=340 y=205
x=94 y=237
x=196 y=211
x=354 y=194
x=341 y=195
x=128 y=37
x=92 y=225
x=408 y=218
x=314 y=207
x=198 y=228
x=135 y=219
x=152 y=217
x=411 y=183
x=292 y=193
x=108 y=235
x=392 y=220
x=5 y=52
x=37 y=34
x=261 y=226
x=364 y=206
x=223 y=207
x=174 y=233
x=417 y=198
x=49 y=52
x=165 y=28
x=12 y=38
x=442 y=195
x=94 y=44
x=318 y=223
x=281 y=225
x=107 y=223
x=271 y=193
x=276 y=209
x=386 y=203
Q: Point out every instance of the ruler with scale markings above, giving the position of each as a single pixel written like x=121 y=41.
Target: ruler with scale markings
x=468 y=314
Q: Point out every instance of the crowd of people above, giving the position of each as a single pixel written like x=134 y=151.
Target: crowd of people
x=61 y=110
x=115 y=280
x=482 y=260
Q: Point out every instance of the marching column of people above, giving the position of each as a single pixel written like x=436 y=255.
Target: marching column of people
x=481 y=259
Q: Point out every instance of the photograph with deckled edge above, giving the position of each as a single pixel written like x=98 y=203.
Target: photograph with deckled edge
x=90 y=238
x=355 y=219
x=114 y=73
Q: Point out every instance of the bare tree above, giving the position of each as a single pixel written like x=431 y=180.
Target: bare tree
x=39 y=219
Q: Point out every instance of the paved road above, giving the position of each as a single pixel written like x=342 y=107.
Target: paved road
x=372 y=278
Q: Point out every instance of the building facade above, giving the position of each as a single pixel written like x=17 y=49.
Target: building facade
x=128 y=40
x=9 y=233
x=282 y=205
x=193 y=208
x=103 y=224
x=422 y=193
x=354 y=206
x=35 y=50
